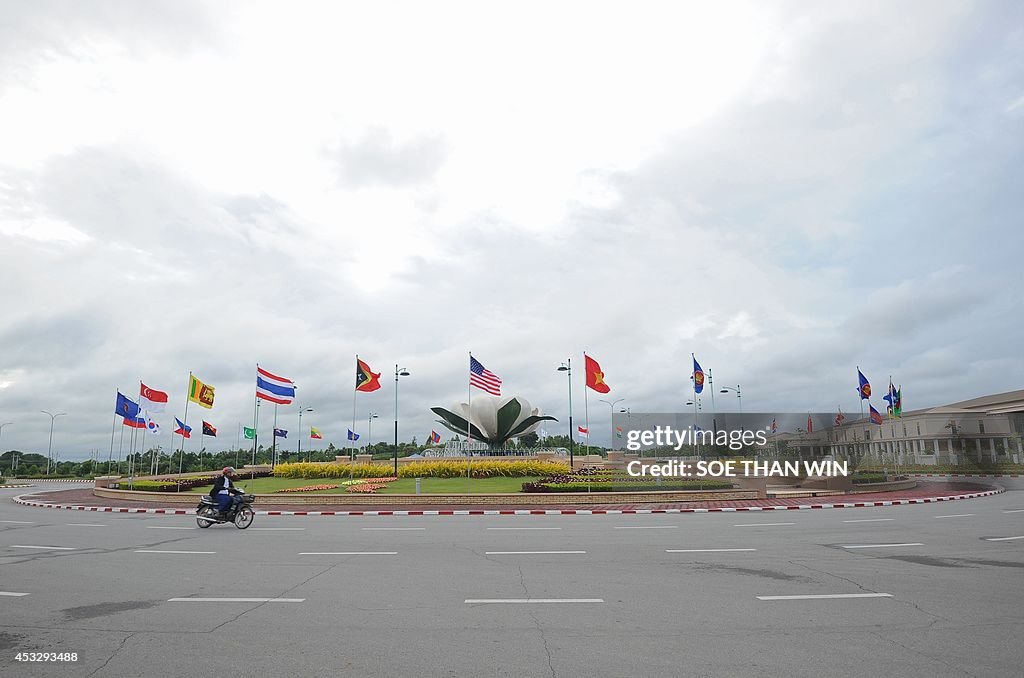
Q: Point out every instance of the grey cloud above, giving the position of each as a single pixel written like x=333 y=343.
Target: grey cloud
x=377 y=159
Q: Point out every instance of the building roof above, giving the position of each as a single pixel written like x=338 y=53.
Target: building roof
x=1011 y=399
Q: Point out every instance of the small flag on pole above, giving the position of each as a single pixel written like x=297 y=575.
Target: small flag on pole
x=352 y=435
x=366 y=379
x=810 y=424
x=182 y=430
x=876 y=416
x=280 y=433
x=840 y=417
x=595 y=377
x=125 y=407
x=199 y=393
x=435 y=437
x=315 y=434
x=698 y=376
x=209 y=430
x=271 y=387
x=134 y=422
x=151 y=399
x=865 y=386
x=154 y=428
x=775 y=426
x=583 y=431
x=248 y=433
x=483 y=378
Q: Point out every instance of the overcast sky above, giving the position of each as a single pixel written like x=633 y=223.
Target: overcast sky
x=786 y=189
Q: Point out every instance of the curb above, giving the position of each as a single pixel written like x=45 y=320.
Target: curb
x=527 y=512
x=965 y=475
x=9 y=487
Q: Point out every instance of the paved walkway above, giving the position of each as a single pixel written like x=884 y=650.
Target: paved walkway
x=84 y=500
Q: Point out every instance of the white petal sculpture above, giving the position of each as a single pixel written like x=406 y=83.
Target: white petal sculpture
x=492 y=419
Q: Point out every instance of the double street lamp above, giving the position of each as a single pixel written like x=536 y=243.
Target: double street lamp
x=369 y=430
x=611 y=404
x=739 y=395
x=567 y=368
x=302 y=410
x=399 y=372
x=49 y=446
x=8 y=423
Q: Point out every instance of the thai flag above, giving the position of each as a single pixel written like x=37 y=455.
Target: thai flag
x=271 y=387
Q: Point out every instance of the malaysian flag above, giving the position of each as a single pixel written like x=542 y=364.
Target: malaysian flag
x=483 y=378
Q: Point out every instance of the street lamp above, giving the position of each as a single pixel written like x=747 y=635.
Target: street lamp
x=298 y=452
x=611 y=404
x=49 y=447
x=8 y=423
x=369 y=430
x=567 y=368
x=739 y=395
x=629 y=415
x=399 y=372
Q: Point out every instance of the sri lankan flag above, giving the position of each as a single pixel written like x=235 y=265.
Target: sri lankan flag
x=199 y=393
x=366 y=379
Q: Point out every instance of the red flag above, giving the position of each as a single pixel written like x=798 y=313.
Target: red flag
x=366 y=379
x=595 y=377
x=151 y=399
x=583 y=431
x=810 y=424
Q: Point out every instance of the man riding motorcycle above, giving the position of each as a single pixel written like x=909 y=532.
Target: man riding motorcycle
x=225 y=493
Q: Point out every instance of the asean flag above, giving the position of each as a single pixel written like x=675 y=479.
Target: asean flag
x=595 y=377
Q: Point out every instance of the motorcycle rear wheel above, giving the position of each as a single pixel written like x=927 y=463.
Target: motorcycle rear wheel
x=202 y=515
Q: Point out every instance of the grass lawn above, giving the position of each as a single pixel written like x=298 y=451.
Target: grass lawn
x=400 y=486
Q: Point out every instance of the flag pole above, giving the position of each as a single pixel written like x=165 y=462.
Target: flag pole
x=586 y=403
x=693 y=383
x=255 y=424
x=110 y=457
x=181 y=452
x=352 y=449
x=469 y=419
x=273 y=445
x=120 y=447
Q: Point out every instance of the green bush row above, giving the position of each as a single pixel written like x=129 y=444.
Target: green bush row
x=442 y=468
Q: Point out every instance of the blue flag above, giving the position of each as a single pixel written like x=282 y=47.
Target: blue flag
x=698 y=376
x=352 y=435
x=280 y=433
x=126 y=408
x=865 y=386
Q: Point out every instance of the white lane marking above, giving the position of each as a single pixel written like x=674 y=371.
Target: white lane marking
x=1010 y=511
x=706 y=550
x=955 y=515
x=762 y=524
x=478 y=601
x=524 y=528
x=868 y=520
x=236 y=600
x=349 y=553
x=878 y=546
x=528 y=553
x=12 y=593
x=646 y=527
x=18 y=522
x=185 y=552
x=1003 y=538
x=86 y=524
x=171 y=527
x=278 y=528
x=828 y=596
x=400 y=529
x=48 y=548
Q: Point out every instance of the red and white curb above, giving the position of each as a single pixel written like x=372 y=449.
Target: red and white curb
x=528 y=512
x=965 y=475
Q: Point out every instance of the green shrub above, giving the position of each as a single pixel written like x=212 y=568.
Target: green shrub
x=864 y=478
x=442 y=468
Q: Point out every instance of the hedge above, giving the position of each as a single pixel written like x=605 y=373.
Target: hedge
x=442 y=468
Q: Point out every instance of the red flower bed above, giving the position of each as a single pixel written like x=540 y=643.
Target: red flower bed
x=310 y=488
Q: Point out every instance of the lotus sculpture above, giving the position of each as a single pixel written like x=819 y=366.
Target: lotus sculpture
x=492 y=420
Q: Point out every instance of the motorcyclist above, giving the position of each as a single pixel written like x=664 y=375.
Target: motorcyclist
x=224 y=492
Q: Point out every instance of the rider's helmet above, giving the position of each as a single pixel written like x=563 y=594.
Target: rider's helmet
x=228 y=470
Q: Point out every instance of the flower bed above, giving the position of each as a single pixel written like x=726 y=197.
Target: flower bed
x=310 y=488
x=424 y=469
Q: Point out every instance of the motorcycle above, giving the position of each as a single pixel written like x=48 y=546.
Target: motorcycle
x=240 y=512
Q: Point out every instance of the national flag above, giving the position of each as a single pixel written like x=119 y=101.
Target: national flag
x=585 y=432
x=182 y=430
x=865 y=386
x=899 y=401
x=895 y=406
x=435 y=437
x=271 y=387
x=840 y=417
x=618 y=431
x=151 y=399
x=775 y=426
x=152 y=426
x=698 y=376
x=352 y=435
x=126 y=408
x=483 y=378
x=248 y=433
x=134 y=422
x=810 y=424
x=595 y=377
x=209 y=430
x=280 y=433
x=876 y=416
x=366 y=379
x=199 y=393
x=315 y=434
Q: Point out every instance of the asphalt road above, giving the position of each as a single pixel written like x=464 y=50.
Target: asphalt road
x=642 y=595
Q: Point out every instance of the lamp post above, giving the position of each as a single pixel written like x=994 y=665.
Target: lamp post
x=8 y=423
x=399 y=372
x=567 y=368
x=49 y=447
x=369 y=430
x=739 y=395
x=611 y=404
x=629 y=415
x=302 y=410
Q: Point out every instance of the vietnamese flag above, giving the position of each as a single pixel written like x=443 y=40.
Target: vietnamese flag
x=595 y=377
x=366 y=379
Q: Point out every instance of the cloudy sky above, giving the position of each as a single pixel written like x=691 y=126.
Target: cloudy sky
x=786 y=189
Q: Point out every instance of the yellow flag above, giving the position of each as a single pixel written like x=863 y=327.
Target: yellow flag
x=200 y=393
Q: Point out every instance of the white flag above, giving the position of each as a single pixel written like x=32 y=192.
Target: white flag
x=154 y=428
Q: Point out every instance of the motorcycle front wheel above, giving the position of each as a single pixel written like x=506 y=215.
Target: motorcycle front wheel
x=244 y=517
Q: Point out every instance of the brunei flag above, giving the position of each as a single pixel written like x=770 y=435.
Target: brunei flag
x=366 y=379
x=199 y=393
